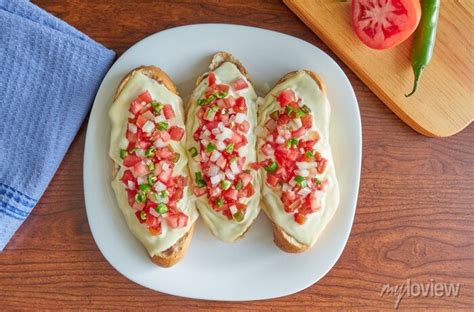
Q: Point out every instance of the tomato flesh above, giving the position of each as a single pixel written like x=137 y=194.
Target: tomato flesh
x=382 y=24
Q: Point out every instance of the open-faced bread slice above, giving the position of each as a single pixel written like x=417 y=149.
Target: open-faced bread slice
x=220 y=125
x=300 y=193
x=150 y=174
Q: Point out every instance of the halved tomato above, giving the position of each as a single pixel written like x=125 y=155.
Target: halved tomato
x=382 y=24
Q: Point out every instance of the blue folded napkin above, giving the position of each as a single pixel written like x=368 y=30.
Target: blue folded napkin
x=49 y=75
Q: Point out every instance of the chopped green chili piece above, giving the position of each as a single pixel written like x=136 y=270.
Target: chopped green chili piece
x=229 y=148
x=318 y=182
x=239 y=216
x=176 y=157
x=133 y=150
x=306 y=109
x=219 y=202
x=233 y=158
x=210 y=147
x=161 y=208
x=140 y=198
x=272 y=167
x=144 y=187
x=162 y=125
x=150 y=152
x=301 y=181
x=123 y=153
x=309 y=154
x=212 y=110
x=300 y=113
x=201 y=102
x=211 y=98
x=153 y=196
x=199 y=180
x=238 y=186
x=152 y=179
x=157 y=106
x=292 y=142
x=226 y=184
x=151 y=166
x=143 y=215
x=163 y=194
x=193 y=151
x=220 y=95
x=289 y=110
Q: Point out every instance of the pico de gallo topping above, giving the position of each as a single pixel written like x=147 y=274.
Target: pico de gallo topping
x=222 y=148
x=152 y=190
x=291 y=161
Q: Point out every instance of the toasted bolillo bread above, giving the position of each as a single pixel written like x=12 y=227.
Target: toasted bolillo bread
x=150 y=175
x=221 y=120
x=300 y=193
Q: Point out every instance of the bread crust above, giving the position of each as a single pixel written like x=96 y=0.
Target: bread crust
x=175 y=253
x=282 y=239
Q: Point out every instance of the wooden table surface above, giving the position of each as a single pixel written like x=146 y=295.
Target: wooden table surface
x=414 y=219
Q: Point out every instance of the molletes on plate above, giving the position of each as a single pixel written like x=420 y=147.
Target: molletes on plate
x=221 y=120
x=150 y=176
x=299 y=186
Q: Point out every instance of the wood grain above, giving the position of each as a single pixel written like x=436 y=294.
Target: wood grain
x=415 y=215
x=444 y=102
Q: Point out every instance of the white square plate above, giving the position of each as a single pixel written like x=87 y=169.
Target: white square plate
x=253 y=268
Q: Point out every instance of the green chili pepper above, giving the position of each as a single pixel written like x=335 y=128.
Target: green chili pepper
x=220 y=95
x=162 y=125
x=151 y=166
x=199 y=180
x=161 y=208
x=219 y=202
x=176 y=157
x=272 y=167
x=123 y=153
x=140 y=198
x=238 y=216
x=211 y=98
x=133 y=150
x=193 y=151
x=425 y=38
x=201 y=102
x=143 y=215
x=233 y=158
x=153 y=196
x=289 y=110
x=210 y=147
x=229 y=148
x=157 y=106
x=149 y=153
x=309 y=154
x=163 y=194
x=226 y=184
x=301 y=181
x=318 y=182
x=292 y=142
x=144 y=188
x=212 y=110
x=152 y=179
x=305 y=109
x=238 y=186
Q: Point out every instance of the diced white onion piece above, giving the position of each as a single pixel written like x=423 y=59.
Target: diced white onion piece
x=229 y=175
x=226 y=134
x=220 y=145
x=213 y=170
x=148 y=127
x=233 y=209
x=165 y=166
x=285 y=187
x=305 y=191
x=302 y=150
x=205 y=134
x=303 y=173
x=140 y=180
x=123 y=143
x=220 y=125
x=260 y=132
x=280 y=140
x=243 y=151
x=216 y=179
x=292 y=182
x=160 y=186
x=239 y=117
x=306 y=165
x=215 y=155
x=155 y=213
x=298 y=123
x=205 y=142
x=132 y=128
x=131 y=185
x=270 y=138
x=235 y=167
x=216 y=131
x=140 y=152
x=131 y=115
x=159 y=143
x=204 y=156
x=160 y=118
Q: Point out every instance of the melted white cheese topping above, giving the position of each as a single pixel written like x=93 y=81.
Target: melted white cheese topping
x=119 y=113
x=223 y=228
x=308 y=90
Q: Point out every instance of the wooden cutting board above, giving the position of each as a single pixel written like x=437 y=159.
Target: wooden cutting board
x=444 y=102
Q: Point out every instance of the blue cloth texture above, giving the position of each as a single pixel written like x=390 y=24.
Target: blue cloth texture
x=49 y=75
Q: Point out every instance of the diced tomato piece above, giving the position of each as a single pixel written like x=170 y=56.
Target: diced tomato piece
x=180 y=181
x=299 y=132
x=176 y=133
x=272 y=180
x=164 y=135
x=177 y=220
x=293 y=205
x=199 y=191
x=131 y=196
x=239 y=84
x=307 y=121
x=211 y=78
x=229 y=102
x=145 y=97
x=231 y=194
x=155 y=136
x=315 y=203
x=131 y=137
x=127 y=176
x=322 y=165
x=255 y=165
x=236 y=138
x=141 y=169
x=151 y=220
x=288 y=197
x=214 y=191
x=141 y=121
x=286 y=96
x=138 y=206
x=240 y=105
x=176 y=195
x=222 y=88
x=131 y=160
x=293 y=154
x=168 y=111
x=244 y=126
x=300 y=218
x=211 y=125
x=165 y=175
x=271 y=125
x=155 y=230
x=143 y=144
x=246 y=178
x=240 y=206
x=267 y=149
x=148 y=114
x=164 y=153
x=248 y=190
x=135 y=107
